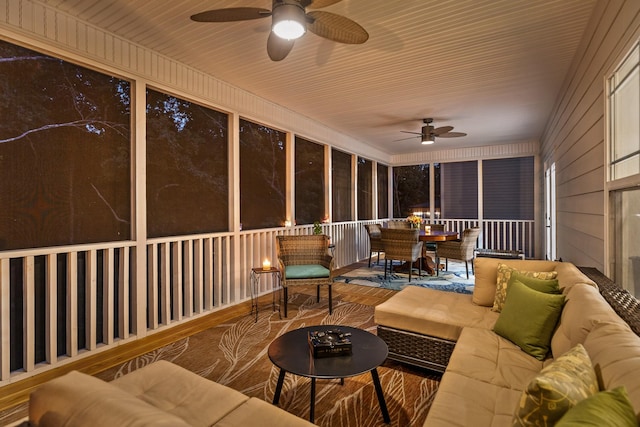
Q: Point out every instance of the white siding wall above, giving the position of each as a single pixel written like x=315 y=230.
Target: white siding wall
x=574 y=136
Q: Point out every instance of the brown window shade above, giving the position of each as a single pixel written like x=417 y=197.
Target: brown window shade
x=508 y=188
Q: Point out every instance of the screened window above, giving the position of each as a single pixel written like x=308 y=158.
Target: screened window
x=507 y=188
x=309 y=180
x=623 y=141
x=459 y=190
x=365 y=188
x=262 y=176
x=383 y=190
x=187 y=167
x=411 y=190
x=341 y=185
x=624 y=113
x=65 y=147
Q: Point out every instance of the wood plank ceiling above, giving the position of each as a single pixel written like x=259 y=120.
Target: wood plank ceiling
x=490 y=68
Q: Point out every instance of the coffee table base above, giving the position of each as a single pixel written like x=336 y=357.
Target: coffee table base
x=376 y=384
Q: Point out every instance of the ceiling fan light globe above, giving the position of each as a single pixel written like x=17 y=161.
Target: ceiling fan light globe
x=288 y=21
x=288 y=29
x=428 y=139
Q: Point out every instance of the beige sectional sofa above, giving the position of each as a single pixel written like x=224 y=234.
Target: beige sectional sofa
x=159 y=394
x=485 y=374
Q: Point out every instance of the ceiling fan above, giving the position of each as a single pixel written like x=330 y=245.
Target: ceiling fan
x=289 y=21
x=429 y=133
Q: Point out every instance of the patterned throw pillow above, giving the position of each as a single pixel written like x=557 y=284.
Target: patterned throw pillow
x=504 y=274
x=557 y=388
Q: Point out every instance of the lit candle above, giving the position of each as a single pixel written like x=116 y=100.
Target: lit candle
x=287 y=223
x=427 y=229
x=266 y=264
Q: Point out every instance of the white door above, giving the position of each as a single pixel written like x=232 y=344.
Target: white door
x=550 y=212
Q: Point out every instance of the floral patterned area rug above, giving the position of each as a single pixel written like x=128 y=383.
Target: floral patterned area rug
x=452 y=280
x=235 y=354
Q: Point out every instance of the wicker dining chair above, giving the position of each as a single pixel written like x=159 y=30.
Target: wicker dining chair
x=304 y=260
x=462 y=249
x=403 y=245
x=398 y=223
x=375 y=241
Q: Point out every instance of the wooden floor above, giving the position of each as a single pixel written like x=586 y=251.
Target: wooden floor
x=17 y=393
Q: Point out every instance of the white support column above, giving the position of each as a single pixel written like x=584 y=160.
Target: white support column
x=139 y=215
x=354 y=187
x=432 y=191
x=328 y=183
x=374 y=190
x=233 y=275
x=290 y=191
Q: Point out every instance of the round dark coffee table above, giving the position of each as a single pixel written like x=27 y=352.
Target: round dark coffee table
x=291 y=353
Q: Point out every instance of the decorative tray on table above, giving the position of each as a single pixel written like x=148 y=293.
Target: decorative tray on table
x=330 y=343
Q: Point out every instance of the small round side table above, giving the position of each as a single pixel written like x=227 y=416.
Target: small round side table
x=258 y=272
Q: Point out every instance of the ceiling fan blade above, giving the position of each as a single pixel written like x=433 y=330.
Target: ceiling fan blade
x=278 y=48
x=451 y=134
x=415 y=133
x=336 y=27
x=319 y=4
x=442 y=129
x=231 y=14
x=404 y=139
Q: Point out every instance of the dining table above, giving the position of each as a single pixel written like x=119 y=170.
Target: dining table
x=437 y=235
x=429 y=264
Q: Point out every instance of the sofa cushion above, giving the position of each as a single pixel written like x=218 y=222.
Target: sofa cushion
x=258 y=413
x=486 y=275
x=558 y=387
x=77 y=399
x=615 y=353
x=432 y=312
x=584 y=307
x=178 y=391
x=502 y=282
x=528 y=319
x=482 y=354
x=607 y=408
x=305 y=271
x=463 y=401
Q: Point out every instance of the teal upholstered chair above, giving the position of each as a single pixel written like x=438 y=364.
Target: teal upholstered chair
x=304 y=260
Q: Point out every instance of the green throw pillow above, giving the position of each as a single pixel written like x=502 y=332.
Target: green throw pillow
x=606 y=408
x=504 y=274
x=528 y=319
x=558 y=387
x=548 y=286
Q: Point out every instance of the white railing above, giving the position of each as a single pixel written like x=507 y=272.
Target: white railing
x=65 y=303
x=498 y=234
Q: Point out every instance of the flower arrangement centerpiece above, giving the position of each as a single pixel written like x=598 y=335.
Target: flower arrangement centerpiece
x=414 y=221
